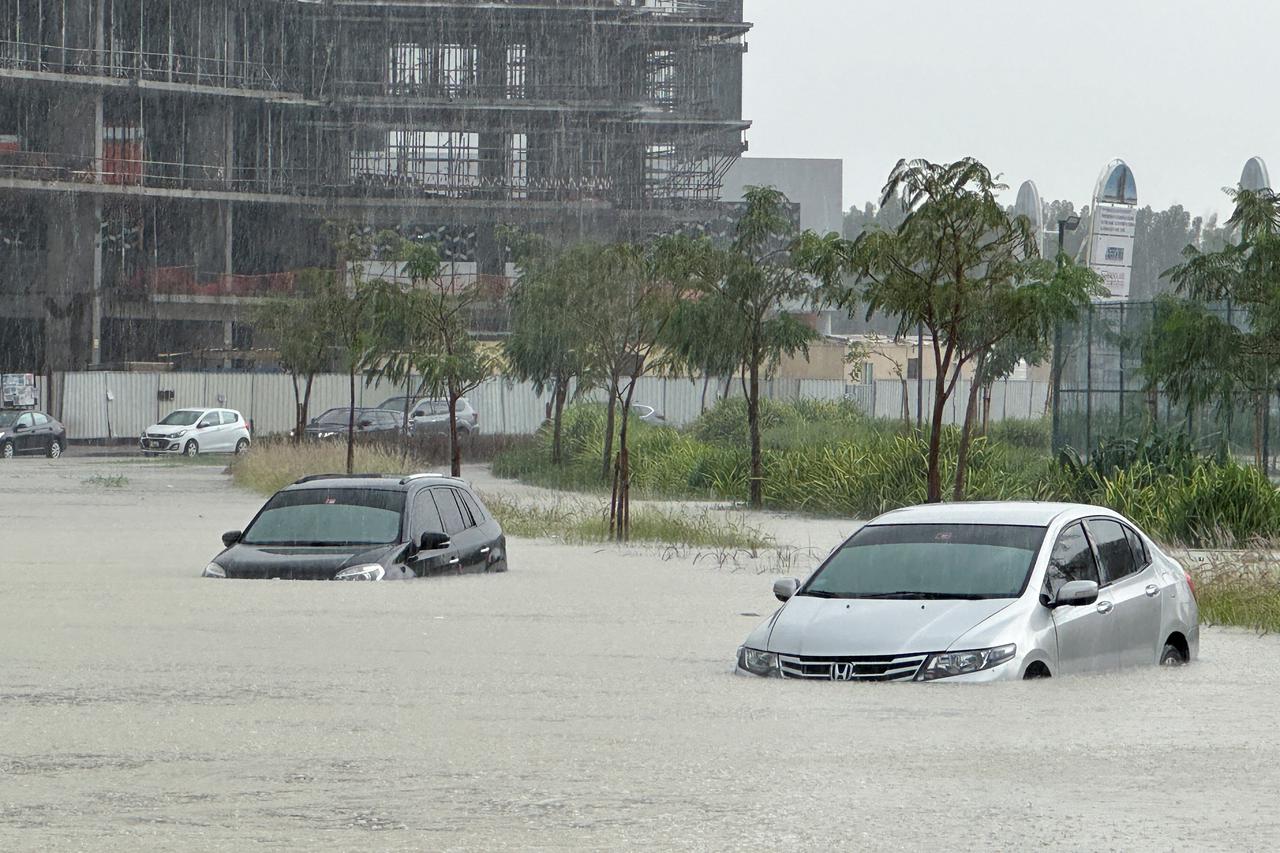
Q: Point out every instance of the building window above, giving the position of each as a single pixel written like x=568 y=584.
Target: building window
x=660 y=169
x=517 y=66
x=406 y=69
x=913 y=368
x=660 y=78
x=446 y=162
x=518 y=165
x=454 y=69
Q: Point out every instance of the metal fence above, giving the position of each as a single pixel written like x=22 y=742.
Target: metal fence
x=119 y=405
x=1102 y=393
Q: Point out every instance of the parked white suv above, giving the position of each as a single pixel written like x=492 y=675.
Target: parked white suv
x=192 y=431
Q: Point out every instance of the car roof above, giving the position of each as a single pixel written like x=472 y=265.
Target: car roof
x=1022 y=513
x=385 y=482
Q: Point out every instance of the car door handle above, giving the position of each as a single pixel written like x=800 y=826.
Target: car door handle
x=1104 y=607
x=1152 y=590
x=454 y=561
x=484 y=550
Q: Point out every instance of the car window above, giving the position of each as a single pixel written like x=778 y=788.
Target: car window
x=40 y=420
x=439 y=407
x=1113 y=549
x=210 y=419
x=1140 y=556
x=1070 y=560
x=342 y=516
x=472 y=505
x=450 y=514
x=930 y=561
x=25 y=420
x=230 y=417
x=426 y=517
x=182 y=417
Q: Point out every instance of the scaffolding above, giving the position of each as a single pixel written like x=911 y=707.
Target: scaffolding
x=210 y=123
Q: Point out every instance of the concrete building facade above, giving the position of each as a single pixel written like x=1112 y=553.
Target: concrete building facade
x=164 y=164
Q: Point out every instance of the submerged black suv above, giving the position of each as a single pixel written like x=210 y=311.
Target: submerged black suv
x=366 y=527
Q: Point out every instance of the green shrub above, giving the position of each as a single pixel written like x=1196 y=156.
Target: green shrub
x=1034 y=434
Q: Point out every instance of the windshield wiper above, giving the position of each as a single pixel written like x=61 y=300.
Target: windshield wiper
x=820 y=593
x=906 y=594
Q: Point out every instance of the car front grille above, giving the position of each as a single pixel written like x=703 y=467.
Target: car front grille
x=868 y=668
x=156 y=435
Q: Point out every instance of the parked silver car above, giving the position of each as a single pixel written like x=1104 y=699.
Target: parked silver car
x=429 y=416
x=981 y=592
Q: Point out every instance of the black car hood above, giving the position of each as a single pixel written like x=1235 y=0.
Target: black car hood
x=300 y=563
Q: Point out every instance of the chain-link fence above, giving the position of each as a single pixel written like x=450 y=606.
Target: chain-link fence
x=1101 y=391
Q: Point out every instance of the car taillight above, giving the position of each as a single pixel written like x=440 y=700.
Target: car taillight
x=1191 y=585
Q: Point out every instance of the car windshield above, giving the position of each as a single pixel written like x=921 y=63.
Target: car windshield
x=7 y=419
x=182 y=417
x=328 y=517
x=337 y=416
x=394 y=404
x=930 y=561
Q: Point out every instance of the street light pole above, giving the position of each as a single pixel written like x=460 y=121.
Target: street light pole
x=1071 y=223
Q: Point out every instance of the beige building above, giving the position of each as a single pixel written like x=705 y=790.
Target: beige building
x=862 y=359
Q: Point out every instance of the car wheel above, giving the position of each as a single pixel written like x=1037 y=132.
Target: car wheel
x=191 y=448
x=1037 y=670
x=1172 y=656
x=55 y=449
x=241 y=446
x=6 y=450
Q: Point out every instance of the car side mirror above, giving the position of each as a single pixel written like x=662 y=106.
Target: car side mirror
x=419 y=414
x=231 y=537
x=434 y=542
x=784 y=588
x=365 y=424
x=1073 y=593
x=20 y=428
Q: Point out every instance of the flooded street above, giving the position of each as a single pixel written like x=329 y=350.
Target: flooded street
x=583 y=700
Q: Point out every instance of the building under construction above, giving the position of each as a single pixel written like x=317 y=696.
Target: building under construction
x=164 y=164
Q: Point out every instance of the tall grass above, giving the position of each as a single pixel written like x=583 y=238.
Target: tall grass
x=830 y=459
x=578 y=521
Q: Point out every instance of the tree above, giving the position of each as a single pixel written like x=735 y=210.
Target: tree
x=303 y=335
x=1198 y=356
x=740 y=295
x=548 y=342
x=352 y=307
x=424 y=329
x=959 y=266
x=637 y=290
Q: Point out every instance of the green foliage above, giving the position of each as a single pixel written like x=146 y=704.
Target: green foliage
x=1032 y=434
x=828 y=458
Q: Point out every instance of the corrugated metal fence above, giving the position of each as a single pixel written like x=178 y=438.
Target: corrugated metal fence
x=104 y=405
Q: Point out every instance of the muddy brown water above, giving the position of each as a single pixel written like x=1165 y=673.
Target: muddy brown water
x=582 y=700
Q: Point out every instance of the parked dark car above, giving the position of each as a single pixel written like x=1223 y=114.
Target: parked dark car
x=370 y=423
x=430 y=416
x=366 y=527
x=29 y=432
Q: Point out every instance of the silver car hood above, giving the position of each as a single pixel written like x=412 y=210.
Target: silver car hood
x=859 y=626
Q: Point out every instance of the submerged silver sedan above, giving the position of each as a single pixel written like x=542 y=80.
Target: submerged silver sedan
x=981 y=592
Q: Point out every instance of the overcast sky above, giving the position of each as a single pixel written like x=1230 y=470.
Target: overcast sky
x=1181 y=90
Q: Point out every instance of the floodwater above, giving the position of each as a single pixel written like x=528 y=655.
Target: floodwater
x=582 y=700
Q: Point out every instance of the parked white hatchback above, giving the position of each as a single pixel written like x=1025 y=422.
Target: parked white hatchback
x=981 y=592
x=193 y=431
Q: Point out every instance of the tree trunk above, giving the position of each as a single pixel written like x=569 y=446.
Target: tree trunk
x=934 y=492
x=986 y=407
x=557 y=422
x=906 y=405
x=966 y=436
x=296 y=437
x=351 y=426
x=608 y=428
x=305 y=410
x=455 y=449
x=755 y=484
x=620 y=508
x=407 y=424
x=706 y=383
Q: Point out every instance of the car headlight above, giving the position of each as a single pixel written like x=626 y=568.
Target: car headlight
x=370 y=572
x=179 y=434
x=947 y=664
x=213 y=570
x=758 y=662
